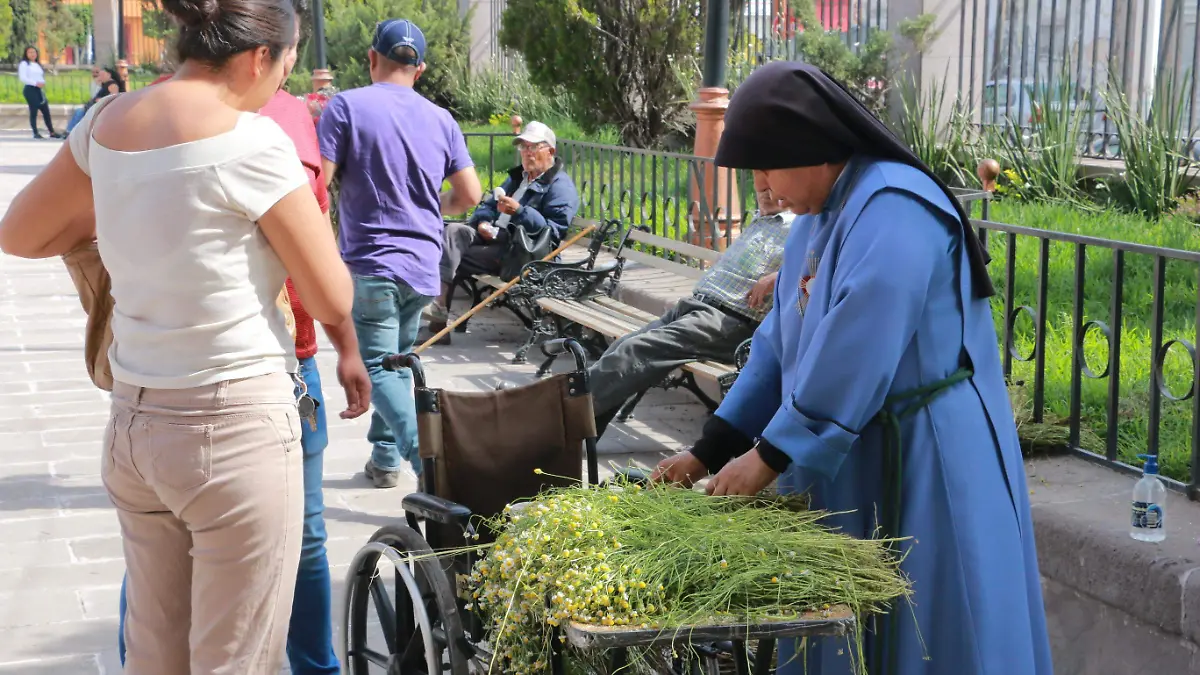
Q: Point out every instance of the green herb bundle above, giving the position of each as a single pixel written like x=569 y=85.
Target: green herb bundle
x=665 y=558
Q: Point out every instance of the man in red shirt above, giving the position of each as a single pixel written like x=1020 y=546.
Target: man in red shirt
x=310 y=635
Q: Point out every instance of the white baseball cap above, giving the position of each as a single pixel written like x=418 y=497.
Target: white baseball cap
x=536 y=132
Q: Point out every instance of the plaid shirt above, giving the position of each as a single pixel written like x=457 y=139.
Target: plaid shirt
x=757 y=252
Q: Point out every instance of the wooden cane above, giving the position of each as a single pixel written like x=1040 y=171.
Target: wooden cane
x=501 y=291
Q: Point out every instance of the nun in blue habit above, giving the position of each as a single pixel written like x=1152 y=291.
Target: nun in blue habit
x=875 y=384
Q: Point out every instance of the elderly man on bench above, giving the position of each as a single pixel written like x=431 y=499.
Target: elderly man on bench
x=725 y=308
x=538 y=194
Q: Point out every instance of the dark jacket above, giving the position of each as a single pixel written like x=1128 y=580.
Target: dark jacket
x=551 y=201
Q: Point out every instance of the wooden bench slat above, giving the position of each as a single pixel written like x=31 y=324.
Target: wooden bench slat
x=614 y=314
x=708 y=368
x=626 y=309
x=690 y=250
x=664 y=265
x=575 y=312
x=490 y=280
x=590 y=314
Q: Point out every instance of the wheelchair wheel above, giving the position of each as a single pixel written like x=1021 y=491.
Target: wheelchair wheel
x=401 y=616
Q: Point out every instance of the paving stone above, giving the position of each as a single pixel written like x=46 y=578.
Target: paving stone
x=85 y=664
x=76 y=638
x=33 y=608
x=19 y=555
x=77 y=576
x=98 y=548
x=69 y=525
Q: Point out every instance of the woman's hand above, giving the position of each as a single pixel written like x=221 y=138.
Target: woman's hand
x=681 y=469
x=747 y=475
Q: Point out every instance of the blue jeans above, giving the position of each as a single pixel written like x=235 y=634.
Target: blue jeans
x=310 y=635
x=387 y=316
x=76 y=118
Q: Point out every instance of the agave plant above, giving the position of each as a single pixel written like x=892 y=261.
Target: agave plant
x=1158 y=171
x=940 y=137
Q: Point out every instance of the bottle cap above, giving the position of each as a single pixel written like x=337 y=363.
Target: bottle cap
x=1151 y=466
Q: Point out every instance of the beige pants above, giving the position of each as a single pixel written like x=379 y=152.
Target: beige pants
x=209 y=490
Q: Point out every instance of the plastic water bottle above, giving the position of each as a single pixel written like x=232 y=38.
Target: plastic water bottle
x=1149 y=495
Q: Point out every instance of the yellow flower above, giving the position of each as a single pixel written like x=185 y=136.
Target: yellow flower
x=538 y=471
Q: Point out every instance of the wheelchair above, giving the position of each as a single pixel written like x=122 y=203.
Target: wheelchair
x=404 y=611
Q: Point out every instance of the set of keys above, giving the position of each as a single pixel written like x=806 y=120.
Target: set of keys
x=307 y=405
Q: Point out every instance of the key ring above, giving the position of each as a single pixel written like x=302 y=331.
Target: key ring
x=301 y=385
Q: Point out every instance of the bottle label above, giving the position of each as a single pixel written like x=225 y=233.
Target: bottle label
x=1147 y=515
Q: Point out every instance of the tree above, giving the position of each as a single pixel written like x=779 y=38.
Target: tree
x=59 y=26
x=350 y=25
x=618 y=58
x=158 y=25
x=6 y=27
x=24 y=28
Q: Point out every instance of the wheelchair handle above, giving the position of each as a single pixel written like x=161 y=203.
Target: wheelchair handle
x=556 y=347
x=410 y=361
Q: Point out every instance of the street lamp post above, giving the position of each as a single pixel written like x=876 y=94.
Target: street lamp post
x=716 y=43
x=318 y=19
x=321 y=77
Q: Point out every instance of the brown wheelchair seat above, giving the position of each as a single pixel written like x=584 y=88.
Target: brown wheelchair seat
x=486 y=446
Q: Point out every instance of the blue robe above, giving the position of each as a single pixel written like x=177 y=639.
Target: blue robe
x=875 y=298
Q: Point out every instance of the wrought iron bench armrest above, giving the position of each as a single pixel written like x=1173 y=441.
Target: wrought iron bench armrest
x=575 y=284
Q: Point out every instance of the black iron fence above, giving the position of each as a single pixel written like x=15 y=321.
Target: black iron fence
x=1098 y=336
x=1073 y=53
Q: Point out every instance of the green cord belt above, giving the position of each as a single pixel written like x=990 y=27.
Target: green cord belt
x=893 y=473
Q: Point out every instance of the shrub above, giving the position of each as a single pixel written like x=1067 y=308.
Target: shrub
x=615 y=58
x=350 y=25
x=1043 y=163
x=940 y=138
x=485 y=94
x=1157 y=172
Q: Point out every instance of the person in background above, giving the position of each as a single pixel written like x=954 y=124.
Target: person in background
x=538 y=194
x=392 y=149
x=726 y=306
x=30 y=72
x=202 y=210
x=310 y=635
x=102 y=85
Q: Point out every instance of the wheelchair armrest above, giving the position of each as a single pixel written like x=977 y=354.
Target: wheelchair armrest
x=631 y=474
x=432 y=507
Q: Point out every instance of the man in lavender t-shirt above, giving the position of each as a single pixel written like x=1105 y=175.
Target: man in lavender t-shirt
x=392 y=149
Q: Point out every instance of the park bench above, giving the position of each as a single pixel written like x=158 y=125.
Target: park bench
x=518 y=300
x=582 y=305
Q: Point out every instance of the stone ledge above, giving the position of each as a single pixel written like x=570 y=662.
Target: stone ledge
x=1080 y=514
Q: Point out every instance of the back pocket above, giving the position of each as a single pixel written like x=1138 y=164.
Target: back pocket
x=181 y=454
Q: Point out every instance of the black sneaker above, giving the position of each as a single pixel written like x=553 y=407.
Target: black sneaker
x=381 y=479
x=38 y=136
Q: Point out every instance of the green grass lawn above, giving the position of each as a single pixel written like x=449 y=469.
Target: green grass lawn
x=65 y=87
x=1179 y=314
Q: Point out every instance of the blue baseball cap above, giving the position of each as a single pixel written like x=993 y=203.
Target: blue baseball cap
x=393 y=35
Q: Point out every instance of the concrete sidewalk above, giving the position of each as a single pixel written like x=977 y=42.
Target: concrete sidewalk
x=60 y=548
